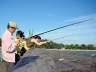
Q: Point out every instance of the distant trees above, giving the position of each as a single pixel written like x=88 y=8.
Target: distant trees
x=82 y=46
x=52 y=45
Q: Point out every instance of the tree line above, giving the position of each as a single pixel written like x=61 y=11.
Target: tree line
x=54 y=45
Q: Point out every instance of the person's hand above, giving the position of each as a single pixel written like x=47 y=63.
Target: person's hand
x=11 y=51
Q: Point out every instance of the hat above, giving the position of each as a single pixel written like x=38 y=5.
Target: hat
x=12 y=24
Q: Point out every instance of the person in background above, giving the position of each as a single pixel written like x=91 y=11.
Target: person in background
x=37 y=40
x=21 y=45
x=8 y=48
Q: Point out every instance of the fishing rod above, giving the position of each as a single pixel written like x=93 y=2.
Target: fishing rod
x=62 y=27
x=57 y=29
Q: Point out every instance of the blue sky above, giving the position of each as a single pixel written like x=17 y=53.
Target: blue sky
x=41 y=15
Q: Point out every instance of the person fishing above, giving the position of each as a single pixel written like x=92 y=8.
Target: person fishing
x=37 y=40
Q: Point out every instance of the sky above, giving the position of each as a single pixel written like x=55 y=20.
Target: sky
x=41 y=15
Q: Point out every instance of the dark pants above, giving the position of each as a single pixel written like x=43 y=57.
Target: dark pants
x=23 y=50
x=6 y=67
x=17 y=56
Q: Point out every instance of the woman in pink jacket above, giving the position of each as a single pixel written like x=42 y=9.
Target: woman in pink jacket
x=8 y=47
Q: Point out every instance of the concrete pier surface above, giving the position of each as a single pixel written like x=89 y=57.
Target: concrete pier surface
x=55 y=60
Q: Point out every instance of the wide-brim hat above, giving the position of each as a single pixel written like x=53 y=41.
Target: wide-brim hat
x=12 y=24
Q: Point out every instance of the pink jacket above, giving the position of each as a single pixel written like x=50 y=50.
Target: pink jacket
x=8 y=47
